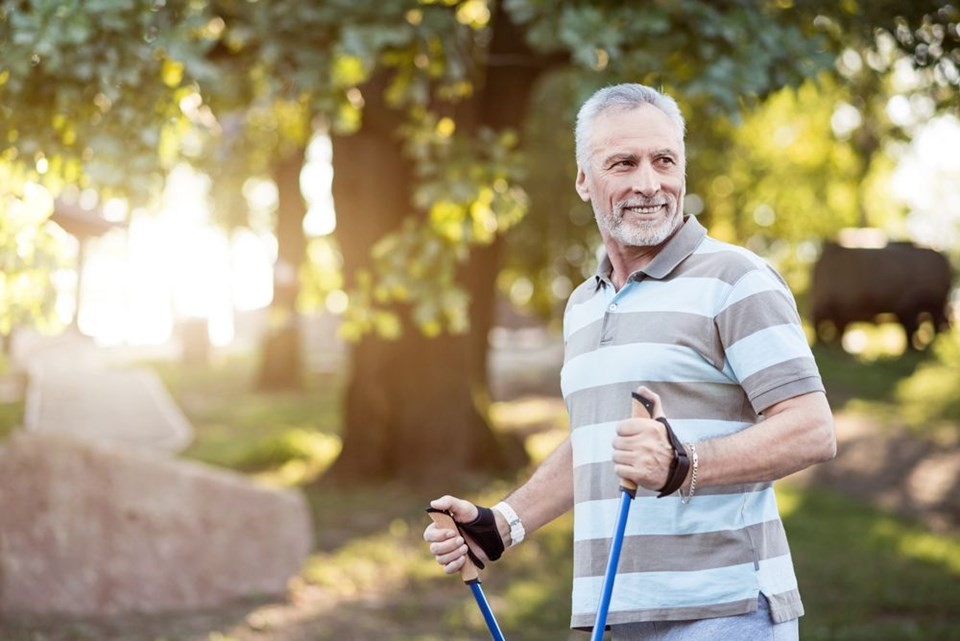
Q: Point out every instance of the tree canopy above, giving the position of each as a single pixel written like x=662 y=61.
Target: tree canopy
x=450 y=124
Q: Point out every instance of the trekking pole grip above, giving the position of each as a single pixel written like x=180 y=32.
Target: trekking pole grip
x=468 y=572
x=640 y=407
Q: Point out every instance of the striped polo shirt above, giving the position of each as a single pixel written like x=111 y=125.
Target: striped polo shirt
x=713 y=330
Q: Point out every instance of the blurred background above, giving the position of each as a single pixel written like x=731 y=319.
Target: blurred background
x=324 y=248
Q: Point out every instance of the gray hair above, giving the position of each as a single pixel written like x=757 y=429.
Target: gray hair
x=623 y=97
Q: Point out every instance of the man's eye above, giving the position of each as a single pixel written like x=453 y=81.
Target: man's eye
x=667 y=160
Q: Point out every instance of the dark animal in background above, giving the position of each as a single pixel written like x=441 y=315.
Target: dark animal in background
x=858 y=284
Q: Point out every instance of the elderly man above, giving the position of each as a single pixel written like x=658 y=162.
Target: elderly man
x=710 y=332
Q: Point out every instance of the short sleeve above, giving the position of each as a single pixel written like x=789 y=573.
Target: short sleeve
x=764 y=344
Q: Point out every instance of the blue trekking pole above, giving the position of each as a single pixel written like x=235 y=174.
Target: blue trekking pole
x=641 y=407
x=470 y=575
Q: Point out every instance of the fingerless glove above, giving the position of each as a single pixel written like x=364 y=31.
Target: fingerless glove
x=484 y=532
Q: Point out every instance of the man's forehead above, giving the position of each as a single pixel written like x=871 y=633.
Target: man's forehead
x=644 y=125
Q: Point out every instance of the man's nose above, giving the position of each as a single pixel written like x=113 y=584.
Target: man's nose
x=646 y=182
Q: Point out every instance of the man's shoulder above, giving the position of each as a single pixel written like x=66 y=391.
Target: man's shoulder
x=722 y=250
x=583 y=292
x=726 y=261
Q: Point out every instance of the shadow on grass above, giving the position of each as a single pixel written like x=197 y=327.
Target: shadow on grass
x=201 y=625
x=847 y=377
x=865 y=575
x=373 y=578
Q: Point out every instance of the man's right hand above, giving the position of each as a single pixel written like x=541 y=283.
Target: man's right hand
x=446 y=545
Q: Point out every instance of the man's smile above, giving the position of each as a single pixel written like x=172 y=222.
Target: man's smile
x=644 y=209
x=639 y=210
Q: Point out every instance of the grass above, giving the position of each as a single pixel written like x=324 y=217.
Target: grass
x=11 y=399
x=11 y=417
x=863 y=573
x=284 y=437
x=917 y=389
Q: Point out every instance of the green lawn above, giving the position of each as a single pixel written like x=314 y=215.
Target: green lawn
x=918 y=389
x=11 y=402
x=866 y=575
x=11 y=417
x=291 y=436
x=863 y=573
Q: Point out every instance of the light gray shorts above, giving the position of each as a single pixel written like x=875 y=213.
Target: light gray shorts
x=753 y=626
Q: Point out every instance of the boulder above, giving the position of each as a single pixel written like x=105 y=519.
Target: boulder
x=94 y=529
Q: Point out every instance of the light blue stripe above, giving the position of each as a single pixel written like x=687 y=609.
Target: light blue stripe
x=695 y=429
x=689 y=294
x=650 y=515
x=593 y=443
x=767 y=347
x=776 y=575
x=637 y=362
x=714 y=246
x=655 y=590
x=582 y=314
x=754 y=282
x=711 y=245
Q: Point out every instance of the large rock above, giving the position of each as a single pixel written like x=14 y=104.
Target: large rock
x=79 y=389
x=92 y=529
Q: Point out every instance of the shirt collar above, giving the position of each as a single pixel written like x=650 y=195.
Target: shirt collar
x=675 y=251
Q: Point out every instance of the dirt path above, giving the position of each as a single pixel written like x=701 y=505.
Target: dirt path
x=885 y=465
x=894 y=469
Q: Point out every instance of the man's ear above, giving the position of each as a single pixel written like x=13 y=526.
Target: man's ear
x=581 y=185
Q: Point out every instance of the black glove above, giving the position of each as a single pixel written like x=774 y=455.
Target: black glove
x=484 y=532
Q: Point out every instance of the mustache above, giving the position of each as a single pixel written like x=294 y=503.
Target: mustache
x=641 y=202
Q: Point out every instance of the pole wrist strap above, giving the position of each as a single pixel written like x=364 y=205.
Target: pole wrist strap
x=680 y=464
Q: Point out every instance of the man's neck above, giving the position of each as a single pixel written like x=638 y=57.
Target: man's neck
x=625 y=260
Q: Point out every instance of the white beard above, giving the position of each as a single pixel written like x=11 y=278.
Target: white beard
x=640 y=233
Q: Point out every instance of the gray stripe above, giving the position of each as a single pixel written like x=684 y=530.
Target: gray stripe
x=586 y=339
x=584 y=292
x=700 y=333
x=712 y=401
x=726 y=266
x=785 y=606
x=598 y=482
x=758 y=311
x=686 y=552
x=733 y=608
x=782 y=381
x=669 y=328
x=680 y=247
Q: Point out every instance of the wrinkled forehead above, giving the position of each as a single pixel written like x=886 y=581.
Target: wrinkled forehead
x=634 y=129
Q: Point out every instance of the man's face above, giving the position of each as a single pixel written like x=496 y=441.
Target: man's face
x=634 y=176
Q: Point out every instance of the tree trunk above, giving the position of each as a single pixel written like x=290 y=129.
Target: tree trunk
x=415 y=407
x=280 y=362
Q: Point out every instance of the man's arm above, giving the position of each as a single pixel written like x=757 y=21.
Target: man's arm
x=545 y=496
x=793 y=435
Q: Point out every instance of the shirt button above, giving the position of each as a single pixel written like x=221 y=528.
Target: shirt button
x=613 y=307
